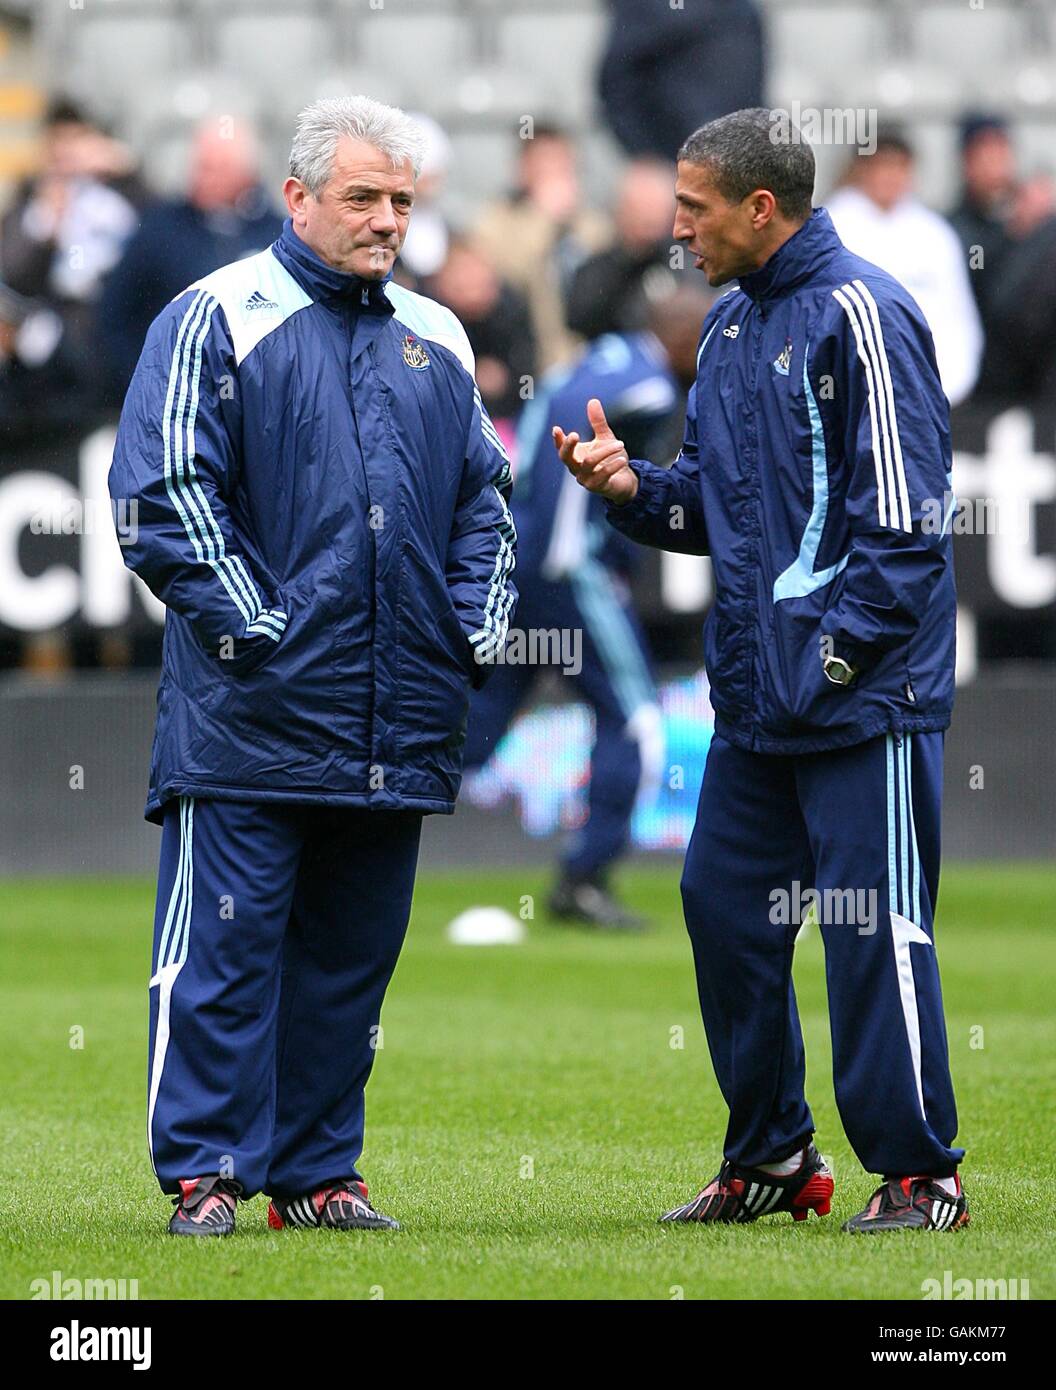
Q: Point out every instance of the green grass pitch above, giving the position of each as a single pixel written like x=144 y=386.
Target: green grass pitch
x=528 y=1117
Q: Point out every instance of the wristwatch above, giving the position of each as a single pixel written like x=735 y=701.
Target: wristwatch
x=837 y=671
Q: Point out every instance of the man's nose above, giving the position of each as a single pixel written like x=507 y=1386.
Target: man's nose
x=384 y=219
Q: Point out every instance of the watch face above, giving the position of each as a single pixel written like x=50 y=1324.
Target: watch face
x=838 y=671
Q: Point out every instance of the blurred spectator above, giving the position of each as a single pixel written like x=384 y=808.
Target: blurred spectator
x=44 y=390
x=225 y=216
x=877 y=216
x=424 y=248
x=988 y=185
x=669 y=68
x=537 y=236
x=1020 y=361
x=611 y=292
x=572 y=572
x=68 y=224
x=675 y=319
x=496 y=319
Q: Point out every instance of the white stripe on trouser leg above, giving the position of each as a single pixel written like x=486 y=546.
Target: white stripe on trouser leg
x=892 y=862
x=903 y=934
x=178 y=950
x=177 y=896
x=914 y=853
x=903 y=832
x=903 y=931
x=166 y=976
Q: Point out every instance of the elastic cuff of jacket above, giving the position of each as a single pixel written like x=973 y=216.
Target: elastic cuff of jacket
x=636 y=507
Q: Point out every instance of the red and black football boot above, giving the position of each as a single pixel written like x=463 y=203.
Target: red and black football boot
x=340 y=1205
x=915 y=1203
x=205 y=1207
x=745 y=1194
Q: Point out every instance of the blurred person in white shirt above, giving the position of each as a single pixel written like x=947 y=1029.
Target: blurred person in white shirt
x=424 y=248
x=878 y=216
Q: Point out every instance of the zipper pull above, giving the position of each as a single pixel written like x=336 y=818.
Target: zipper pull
x=365 y=295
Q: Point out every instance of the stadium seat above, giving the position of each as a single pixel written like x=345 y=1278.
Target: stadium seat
x=1035 y=141
x=560 y=56
x=429 y=51
x=354 y=79
x=272 y=49
x=481 y=155
x=120 y=53
x=824 y=49
x=938 y=175
x=993 y=34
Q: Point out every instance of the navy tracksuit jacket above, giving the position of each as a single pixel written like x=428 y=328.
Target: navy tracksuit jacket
x=571 y=576
x=816 y=473
x=321 y=502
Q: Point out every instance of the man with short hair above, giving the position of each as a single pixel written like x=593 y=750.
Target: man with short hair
x=321 y=504
x=877 y=215
x=225 y=215
x=815 y=472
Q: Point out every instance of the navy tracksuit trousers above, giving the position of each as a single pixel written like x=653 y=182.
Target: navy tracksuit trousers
x=861 y=827
x=276 y=932
x=616 y=681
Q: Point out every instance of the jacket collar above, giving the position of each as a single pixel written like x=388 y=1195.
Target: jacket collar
x=323 y=281
x=796 y=260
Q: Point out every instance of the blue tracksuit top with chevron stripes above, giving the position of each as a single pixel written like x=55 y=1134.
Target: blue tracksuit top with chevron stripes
x=320 y=500
x=816 y=473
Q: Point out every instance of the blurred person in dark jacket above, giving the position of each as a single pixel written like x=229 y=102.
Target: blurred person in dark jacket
x=988 y=187
x=1019 y=366
x=541 y=232
x=573 y=578
x=711 y=54
x=45 y=392
x=497 y=320
x=225 y=216
x=611 y=292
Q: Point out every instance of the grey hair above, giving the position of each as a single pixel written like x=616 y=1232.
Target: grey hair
x=756 y=148
x=321 y=125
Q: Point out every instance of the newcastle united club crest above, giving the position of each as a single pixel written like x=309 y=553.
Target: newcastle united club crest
x=414 y=354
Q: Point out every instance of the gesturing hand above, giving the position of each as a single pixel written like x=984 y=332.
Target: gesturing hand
x=601 y=465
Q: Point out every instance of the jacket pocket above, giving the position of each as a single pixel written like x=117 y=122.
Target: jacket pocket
x=258 y=648
x=456 y=641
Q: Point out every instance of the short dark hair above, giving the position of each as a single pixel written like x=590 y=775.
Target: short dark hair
x=63 y=110
x=893 y=138
x=756 y=148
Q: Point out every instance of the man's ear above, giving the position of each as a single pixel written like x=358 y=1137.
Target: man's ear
x=296 y=195
x=763 y=206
